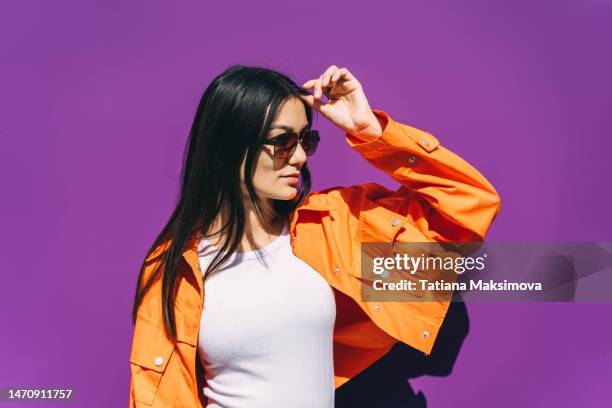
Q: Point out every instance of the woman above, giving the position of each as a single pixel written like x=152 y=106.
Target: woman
x=250 y=295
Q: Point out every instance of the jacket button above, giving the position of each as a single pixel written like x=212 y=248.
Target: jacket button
x=411 y=159
x=394 y=222
x=425 y=334
x=377 y=308
x=158 y=361
x=337 y=270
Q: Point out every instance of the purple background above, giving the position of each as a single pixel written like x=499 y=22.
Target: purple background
x=97 y=99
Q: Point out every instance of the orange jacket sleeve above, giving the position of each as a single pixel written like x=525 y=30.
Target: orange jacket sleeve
x=459 y=203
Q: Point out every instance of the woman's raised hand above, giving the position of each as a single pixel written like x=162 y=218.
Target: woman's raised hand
x=347 y=106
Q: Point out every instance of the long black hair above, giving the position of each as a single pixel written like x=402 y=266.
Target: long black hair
x=232 y=120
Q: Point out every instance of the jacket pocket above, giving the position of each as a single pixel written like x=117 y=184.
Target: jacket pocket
x=151 y=352
x=385 y=232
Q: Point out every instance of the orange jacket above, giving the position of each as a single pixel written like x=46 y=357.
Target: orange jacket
x=442 y=198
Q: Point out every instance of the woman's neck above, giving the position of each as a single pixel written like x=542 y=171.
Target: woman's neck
x=256 y=233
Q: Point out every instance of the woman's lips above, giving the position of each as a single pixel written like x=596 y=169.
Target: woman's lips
x=291 y=179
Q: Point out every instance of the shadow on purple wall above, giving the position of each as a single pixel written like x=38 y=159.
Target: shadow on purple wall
x=386 y=382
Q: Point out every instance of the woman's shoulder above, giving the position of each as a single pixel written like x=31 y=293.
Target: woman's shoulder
x=348 y=197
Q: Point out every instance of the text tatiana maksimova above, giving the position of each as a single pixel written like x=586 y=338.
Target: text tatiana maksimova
x=438 y=285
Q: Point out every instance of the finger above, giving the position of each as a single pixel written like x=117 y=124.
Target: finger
x=338 y=74
x=348 y=75
x=309 y=84
x=323 y=81
x=318 y=92
x=311 y=101
x=327 y=75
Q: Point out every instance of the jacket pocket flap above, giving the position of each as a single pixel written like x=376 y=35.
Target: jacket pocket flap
x=151 y=348
x=380 y=224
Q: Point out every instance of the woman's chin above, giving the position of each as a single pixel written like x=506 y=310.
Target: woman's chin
x=288 y=193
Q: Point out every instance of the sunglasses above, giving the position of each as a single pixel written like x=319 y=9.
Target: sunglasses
x=286 y=143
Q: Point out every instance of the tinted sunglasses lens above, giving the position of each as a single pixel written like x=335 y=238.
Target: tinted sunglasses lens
x=310 y=142
x=285 y=144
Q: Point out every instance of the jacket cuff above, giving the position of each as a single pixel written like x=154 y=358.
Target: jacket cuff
x=394 y=134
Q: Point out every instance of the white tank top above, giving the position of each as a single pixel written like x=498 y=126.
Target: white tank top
x=266 y=331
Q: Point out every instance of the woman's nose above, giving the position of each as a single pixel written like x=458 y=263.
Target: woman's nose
x=298 y=156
